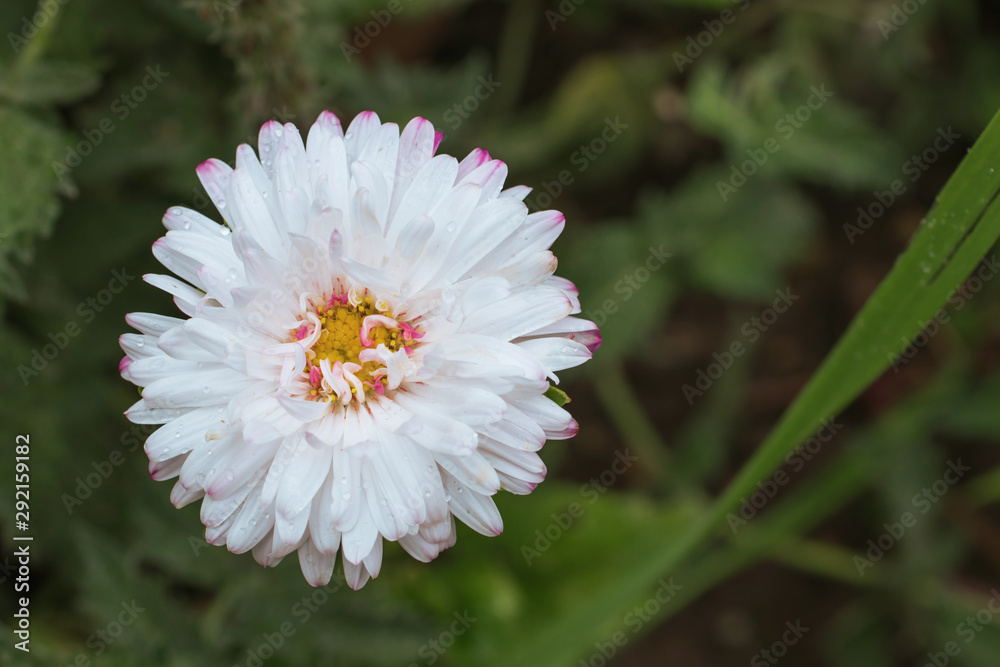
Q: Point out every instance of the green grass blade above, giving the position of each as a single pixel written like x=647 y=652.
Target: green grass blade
x=960 y=229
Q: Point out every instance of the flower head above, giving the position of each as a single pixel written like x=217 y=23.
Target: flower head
x=366 y=346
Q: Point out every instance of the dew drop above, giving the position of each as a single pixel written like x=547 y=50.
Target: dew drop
x=447 y=498
x=460 y=489
x=230 y=476
x=205 y=389
x=221 y=203
x=451 y=227
x=187 y=225
x=140 y=342
x=177 y=435
x=264 y=195
x=346 y=495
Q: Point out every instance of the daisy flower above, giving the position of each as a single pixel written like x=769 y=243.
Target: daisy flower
x=366 y=346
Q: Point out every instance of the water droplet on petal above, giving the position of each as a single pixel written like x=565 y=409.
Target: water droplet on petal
x=140 y=342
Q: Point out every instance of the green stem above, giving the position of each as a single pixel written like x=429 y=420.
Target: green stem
x=36 y=45
x=622 y=405
x=825 y=560
x=515 y=52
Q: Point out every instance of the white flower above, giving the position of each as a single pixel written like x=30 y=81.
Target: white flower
x=367 y=346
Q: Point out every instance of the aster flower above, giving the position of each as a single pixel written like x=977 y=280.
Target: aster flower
x=366 y=349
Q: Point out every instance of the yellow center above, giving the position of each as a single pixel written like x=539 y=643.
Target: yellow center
x=340 y=337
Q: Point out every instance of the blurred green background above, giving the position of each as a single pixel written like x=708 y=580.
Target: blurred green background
x=770 y=148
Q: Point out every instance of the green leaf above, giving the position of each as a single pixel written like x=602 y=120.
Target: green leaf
x=736 y=247
x=958 y=231
x=28 y=202
x=797 y=127
x=954 y=236
x=557 y=396
x=47 y=82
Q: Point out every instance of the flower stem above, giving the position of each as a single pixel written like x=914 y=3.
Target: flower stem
x=633 y=423
x=515 y=52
